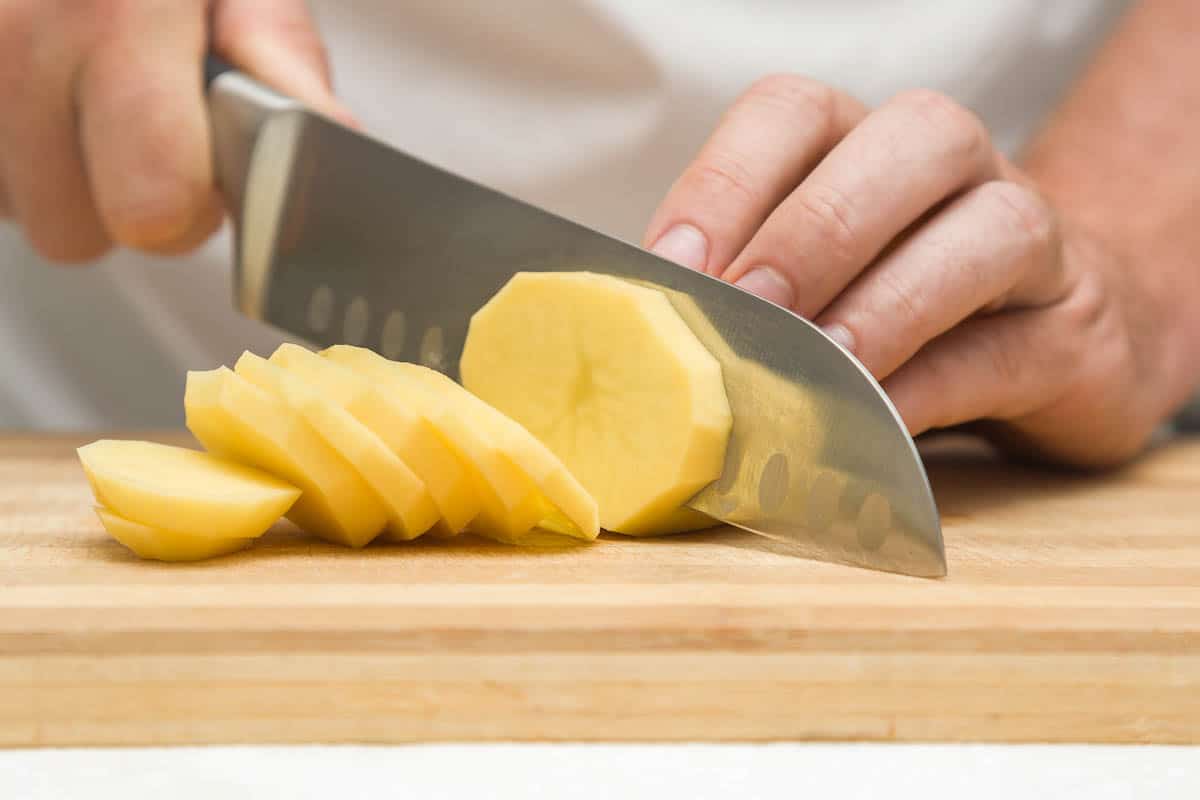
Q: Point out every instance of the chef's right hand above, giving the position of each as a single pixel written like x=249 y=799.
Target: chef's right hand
x=104 y=137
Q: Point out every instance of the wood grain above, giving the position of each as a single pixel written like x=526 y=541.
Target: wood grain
x=1072 y=613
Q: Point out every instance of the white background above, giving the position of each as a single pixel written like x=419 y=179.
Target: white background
x=844 y=771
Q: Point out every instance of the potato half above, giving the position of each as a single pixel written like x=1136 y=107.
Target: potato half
x=611 y=379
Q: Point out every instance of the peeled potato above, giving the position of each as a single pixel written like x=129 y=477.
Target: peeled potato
x=611 y=379
x=405 y=498
x=163 y=545
x=190 y=493
x=392 y=417
x=521 y=485
x=681 y=520
x=234 y=418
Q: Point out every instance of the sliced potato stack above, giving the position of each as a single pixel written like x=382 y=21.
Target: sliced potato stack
x=520 y=484
x=407 y=504
x=233 y=417
x=394 y=419
x=585 y=388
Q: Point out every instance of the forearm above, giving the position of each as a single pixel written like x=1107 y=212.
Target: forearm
x=1122 y=159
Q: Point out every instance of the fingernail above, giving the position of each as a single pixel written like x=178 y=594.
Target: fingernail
x=769 y=285
x=840 y=334
x=685 y=245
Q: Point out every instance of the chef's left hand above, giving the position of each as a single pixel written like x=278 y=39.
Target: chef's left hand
x=914 y=243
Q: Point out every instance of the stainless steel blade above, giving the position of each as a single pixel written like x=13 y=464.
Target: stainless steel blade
x=343 y=239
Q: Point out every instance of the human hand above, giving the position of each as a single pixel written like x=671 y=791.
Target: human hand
x=104 y=137
x=915 y=244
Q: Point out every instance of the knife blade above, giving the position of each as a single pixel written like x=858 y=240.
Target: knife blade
x=341 y=238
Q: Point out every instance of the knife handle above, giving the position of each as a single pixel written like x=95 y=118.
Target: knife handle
x=238 y=106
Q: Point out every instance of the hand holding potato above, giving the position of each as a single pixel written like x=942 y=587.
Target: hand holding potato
x=104 y=138
x=915 y=244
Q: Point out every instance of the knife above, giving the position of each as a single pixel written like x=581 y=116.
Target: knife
x=340 y=238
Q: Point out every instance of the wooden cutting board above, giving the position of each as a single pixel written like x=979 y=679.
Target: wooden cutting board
x=1072 y=613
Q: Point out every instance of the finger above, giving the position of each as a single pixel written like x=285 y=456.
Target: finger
x=900 y=162
x=277 y=42
x=46 y=185
x=767 y=142
x=1018 y=377
x=995 y=246
x=145 y=130
x=1004 y=366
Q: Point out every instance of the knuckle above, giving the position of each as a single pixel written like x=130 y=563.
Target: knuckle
x=1088 y=313
x=905 y=305
x=794 y=92
x=830 y=215
x=719 y=175
x=961 y=131
x=810 y=102
x=1023 y=210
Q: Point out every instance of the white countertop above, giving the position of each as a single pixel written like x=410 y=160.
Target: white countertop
x=570 y=772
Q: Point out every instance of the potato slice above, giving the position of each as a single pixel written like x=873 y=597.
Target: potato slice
x=391 y=417
x=608 y=375
x=510 y=505
x=185 y=491
x=162 y=545
x=405 y=498
x=579 y=514
x=521 y=485
x=236 y=419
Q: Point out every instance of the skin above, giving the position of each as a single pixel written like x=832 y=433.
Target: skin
x=1050 y=304
x=104 y=139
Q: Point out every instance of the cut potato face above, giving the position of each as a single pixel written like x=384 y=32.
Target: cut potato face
x=409 y=505
x=162 y=545
x=233 y=417
x=798 y=413
x=392 y=417
x=519 y=483
x=184 y=491
x=611 y=379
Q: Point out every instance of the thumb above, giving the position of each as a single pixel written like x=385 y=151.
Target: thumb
x=277 y=42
